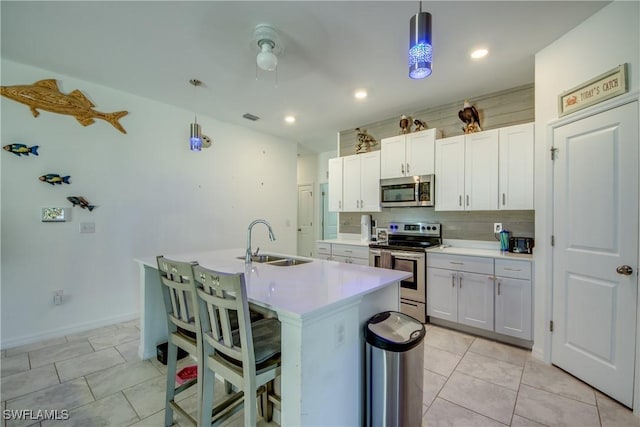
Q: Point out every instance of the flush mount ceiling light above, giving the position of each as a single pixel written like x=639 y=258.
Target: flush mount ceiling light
x=420 y=49
x=290 y=119
x=360 y=94
x=268 y=42
x=479 y=53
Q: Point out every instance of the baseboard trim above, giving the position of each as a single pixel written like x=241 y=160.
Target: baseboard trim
x=67 y=330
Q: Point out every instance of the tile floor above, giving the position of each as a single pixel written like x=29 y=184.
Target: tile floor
x=468 y=381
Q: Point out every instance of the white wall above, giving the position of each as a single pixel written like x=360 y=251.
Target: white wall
x=602 y=42
x=154 y=196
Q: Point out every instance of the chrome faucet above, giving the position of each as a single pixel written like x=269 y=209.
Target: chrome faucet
x=272 y=237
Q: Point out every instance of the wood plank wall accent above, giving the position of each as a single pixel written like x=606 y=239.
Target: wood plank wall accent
x=499 y=109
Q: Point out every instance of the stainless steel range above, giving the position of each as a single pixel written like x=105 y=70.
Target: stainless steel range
x=405 y=250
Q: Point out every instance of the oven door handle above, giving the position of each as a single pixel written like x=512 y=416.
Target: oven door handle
x=404 y=255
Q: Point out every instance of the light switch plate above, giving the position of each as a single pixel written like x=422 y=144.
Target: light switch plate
x=87 y=227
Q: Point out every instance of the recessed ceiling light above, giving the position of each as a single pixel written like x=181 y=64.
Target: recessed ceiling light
x=360 y=94
x=290 y=119
x=479 y=53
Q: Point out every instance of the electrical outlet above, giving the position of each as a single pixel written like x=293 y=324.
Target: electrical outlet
x=497 y=227
x=57 y=297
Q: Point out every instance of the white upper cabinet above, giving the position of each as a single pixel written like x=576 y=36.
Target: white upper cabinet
x=408 y=155
x=481 y=171
x=516 y=167
x=450 y=174
x=335 y=184
x=361 y=182
x=486 y=171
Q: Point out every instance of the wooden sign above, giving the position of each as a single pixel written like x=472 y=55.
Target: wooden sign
x=598 y=89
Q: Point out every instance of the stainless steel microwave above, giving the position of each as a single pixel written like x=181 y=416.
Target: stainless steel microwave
x=407 y=191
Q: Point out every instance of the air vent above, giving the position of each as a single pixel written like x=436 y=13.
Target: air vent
x=250 y=117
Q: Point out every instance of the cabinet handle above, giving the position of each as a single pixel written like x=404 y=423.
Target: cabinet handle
x=339 y=204
x=467 y=200
x=402 y=168
x=498 y=286
x=362 y=203
x=453 y=280
x=460 y=281
x=503 y=199
x=456 y=262
x=512 y=269
x=408 y=169
x=348 y=250
x=460 y=200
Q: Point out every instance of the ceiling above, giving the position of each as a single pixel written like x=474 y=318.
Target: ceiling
x=152 y=49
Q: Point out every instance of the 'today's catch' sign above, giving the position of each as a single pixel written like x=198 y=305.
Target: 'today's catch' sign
x=598 y=89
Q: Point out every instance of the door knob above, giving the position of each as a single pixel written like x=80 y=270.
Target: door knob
x=624 y=269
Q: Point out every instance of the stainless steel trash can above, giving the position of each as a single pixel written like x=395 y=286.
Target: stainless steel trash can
x=395 y=370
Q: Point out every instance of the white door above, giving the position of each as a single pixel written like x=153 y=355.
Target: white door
x=595 y=223
x=481 y=171
x=450 y=173
x=392 y=157
x=421 y=152
x=351 y=183
x=442 y=294
x=305 y=220
x=335 y=184
x=515 y=181
x=370 y=182
x=329 y=219
x=475 y=300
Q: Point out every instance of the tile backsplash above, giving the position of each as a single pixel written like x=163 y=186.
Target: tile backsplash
x=471 y=225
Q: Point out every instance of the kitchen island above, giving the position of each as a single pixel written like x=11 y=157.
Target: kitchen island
x=322 y=306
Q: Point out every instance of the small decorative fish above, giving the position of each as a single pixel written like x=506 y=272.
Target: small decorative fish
x=81 y=201
x=45 y=95
x=21 y=149
x=54 y=178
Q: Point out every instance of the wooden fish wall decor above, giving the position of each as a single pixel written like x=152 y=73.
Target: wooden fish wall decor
x=21 y=149
x=45 y=95
x=54 y=178
x=80 y=201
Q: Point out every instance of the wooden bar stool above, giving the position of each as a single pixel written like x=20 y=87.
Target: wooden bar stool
x=181 y=306
x=248 y=358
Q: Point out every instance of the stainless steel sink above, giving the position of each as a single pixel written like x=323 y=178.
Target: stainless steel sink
x=264 y=258
x=277 y=260
x=289 y=262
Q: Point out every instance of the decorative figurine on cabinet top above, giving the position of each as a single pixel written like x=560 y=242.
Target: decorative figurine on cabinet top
x=81 y=201
x=469 y=115
x=365 y=141
x=54 y=178
x=405 y=124
x=420 y=125
x=21 y=149
x=45 y=95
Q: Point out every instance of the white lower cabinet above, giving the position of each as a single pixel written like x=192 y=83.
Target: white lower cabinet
x=350 y=254
x=476 y=292
x=460 y=289
x=513 y=298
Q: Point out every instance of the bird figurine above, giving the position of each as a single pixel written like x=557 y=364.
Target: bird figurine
x=405 y=124
x=365 y=141
x=420 y=125
x=469 y=115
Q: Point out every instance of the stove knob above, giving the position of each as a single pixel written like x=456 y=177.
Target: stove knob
x=424 y=228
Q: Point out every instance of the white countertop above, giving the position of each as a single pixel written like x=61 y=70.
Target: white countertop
x=298 y=290
x=492 y=253
x=346 y=242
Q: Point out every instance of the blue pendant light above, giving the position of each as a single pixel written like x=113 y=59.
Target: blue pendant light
x=420 y=50
x=195 y=141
